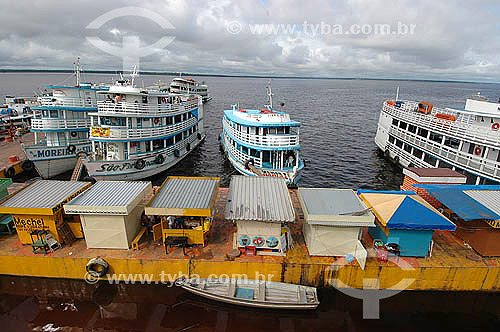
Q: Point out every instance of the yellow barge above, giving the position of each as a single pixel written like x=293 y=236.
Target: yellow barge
x=452 y=267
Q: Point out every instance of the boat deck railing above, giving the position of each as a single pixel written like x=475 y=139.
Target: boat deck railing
x=482 y=166
x=63 y=101
x=139 y=133
x=54 y=124
x=269 y=141
x=145 y=109
x=463 y=128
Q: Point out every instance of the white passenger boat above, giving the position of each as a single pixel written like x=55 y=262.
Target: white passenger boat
x=16 y=114
x=417 y=134
x=262 y=142
x=61 y=126
x=181 y=85
x=253 y=293
x=137 y=132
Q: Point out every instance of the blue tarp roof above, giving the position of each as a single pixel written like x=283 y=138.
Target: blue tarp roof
x=455 y=199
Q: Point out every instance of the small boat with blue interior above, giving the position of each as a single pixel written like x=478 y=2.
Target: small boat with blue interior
x=262 y=142
x=253 y=293
x=61 y=126
x=139 y=132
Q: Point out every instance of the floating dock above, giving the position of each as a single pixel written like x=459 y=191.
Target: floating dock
x=452 y=267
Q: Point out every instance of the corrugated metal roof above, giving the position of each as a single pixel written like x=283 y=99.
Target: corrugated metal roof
x=259 y=198
x=106 y=195
x=44 y=194
x=488 y=198
x=334 y=207
x=186 y=193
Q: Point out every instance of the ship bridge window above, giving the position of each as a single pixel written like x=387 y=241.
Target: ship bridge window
x=394 y=122
x=403 y=125
x=436 y=137
x=412 y=129
x=423 y=132
x=452 y=142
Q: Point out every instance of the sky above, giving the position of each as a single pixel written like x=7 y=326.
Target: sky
x=451 y=40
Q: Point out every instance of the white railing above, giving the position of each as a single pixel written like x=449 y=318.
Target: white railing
x=146 y=109
x=59 y=101
x=240 y=156
x=138 y=133
x=268 y=141
x=461 y=159
x=462 y=128
x=52 y=124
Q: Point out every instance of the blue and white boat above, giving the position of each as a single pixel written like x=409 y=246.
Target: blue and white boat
x=61 y=126
x=262 y=142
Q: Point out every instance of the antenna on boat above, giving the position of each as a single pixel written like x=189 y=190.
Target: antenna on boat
x=270 y=94
x=78 y=69
x=133 y=75
x=397 y=93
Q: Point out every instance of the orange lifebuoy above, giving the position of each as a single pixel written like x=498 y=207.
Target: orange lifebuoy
x=156 y=121
x=477 y=151
x=495 y=126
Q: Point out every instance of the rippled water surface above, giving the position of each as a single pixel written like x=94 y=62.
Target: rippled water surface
x=339 y=121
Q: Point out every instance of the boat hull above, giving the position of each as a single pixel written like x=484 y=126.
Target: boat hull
x=125 y=169
x=291 y=305
x=52 y=161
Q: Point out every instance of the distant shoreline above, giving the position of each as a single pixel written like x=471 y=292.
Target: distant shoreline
x=146 y=72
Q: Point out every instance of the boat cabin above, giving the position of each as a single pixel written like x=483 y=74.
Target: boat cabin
x=110 y=212
x=39 y=207
x=261 y=208
x=334 y=222
x=405 y=221
x=184 y=209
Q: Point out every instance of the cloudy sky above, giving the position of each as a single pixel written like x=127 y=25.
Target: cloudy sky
x=451 y=40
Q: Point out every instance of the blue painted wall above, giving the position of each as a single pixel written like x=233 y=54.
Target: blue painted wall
x=413 y=243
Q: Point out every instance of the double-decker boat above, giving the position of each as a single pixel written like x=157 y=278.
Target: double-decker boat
x=137 y=132
x=182 y=85
x=61 y=126
x=417 y=134
x=262 y=142
x=16 y=114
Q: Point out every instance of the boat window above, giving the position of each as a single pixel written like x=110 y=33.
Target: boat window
x=452 y=142
x=244 y=149
x=412 y=129
x=169 y=141
x=391 y=139
x=436 y=137
x=403 y=125
x=394 y=122
x=159 y=100
x=169 y=120
x=178 y=137
x=422 y=132
x=417 y=153
x=53 y=114
x=184 y=117
x=144 y=99
x=287 y=130
x=407 y=148
x=430 y=160
x=158 y=144
x=399 y=143
x=281 y=130
x=272 y=131
x=178 y=118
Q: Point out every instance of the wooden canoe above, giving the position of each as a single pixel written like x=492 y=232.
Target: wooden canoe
x=253 y=293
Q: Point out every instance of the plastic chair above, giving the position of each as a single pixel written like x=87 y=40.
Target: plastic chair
x=52 y=243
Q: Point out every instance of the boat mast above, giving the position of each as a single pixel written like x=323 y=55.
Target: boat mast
x=133 y=75
x=397 y=93
x=270 y=94
x=78 y=69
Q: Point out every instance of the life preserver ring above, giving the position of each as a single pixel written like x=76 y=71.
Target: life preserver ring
x=27 y=165
x=244 y=241
x=163 y=100
x=97 y=267
x=10 y=172
x=478 y=151
x=258 y=241
x=272 y=242
x=74 y=134
x=199 y=136
x=159 y=159
x=248 y=163
x=140 y=164
x=495 y=126
x=71 y=148
x=180 y=281
x=188 y=147
x=156 y=121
